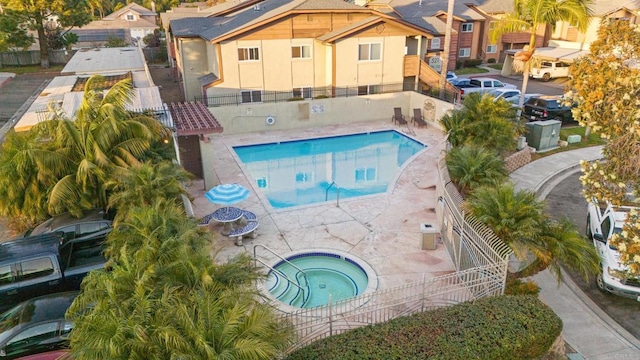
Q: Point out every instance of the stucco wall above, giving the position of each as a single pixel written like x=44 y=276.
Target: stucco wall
x=387 y=70
x=321 y=112
x=194 y=65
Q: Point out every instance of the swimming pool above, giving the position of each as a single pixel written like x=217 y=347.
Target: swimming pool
x=313 y=279
x=302 y=172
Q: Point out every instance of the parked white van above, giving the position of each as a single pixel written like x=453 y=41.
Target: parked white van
x=550 y=70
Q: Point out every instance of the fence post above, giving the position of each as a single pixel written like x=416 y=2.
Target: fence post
x=330 y=315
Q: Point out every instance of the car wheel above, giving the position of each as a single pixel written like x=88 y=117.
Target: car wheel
x=600 y=284
x=546 y=77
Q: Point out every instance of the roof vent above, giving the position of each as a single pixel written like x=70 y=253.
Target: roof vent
x=256 y=7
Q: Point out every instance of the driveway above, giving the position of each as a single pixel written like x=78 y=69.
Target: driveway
x=14 y=92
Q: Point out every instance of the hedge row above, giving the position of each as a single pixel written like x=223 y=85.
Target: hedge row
x=502 y=327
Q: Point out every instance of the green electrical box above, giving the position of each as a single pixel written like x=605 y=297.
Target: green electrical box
x=543 y=135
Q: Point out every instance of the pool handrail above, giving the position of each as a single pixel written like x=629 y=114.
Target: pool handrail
x=326 y=193
x=300 y=289
x=299 y=271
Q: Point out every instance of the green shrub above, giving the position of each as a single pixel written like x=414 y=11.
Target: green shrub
x=502 y=327
x=472 y=62
x=518 y=287
x=491 y=61
x=459 y=64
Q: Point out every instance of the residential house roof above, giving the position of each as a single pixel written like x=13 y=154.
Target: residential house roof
x=606 y=7
x=105 y=61
x=218 y=28
x=139 y=23
x=495 y=6
x=139 y=9
x=428 y=8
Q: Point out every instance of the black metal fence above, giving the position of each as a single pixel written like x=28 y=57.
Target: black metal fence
x=258 y=96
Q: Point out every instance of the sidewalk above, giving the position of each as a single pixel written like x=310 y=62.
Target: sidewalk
x=586 y=328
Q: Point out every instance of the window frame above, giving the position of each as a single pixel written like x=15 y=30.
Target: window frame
x=303 y=92
x=370 y=48
x=301 y=50
x=252 y=53
x=462 y=55
x=466 y=27
x=252 y=95
x=495 y=49
x=130 y=17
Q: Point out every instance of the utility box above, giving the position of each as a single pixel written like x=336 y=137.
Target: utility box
x=428 y=236
x=543 y=135
x=574 y=139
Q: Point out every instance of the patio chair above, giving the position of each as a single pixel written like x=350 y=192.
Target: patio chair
x=398 y=117
x=417 y=118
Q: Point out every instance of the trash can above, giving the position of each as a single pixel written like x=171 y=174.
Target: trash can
x=428 y=236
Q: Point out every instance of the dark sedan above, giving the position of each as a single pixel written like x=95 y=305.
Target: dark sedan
x=547 y=108
x=35 y=326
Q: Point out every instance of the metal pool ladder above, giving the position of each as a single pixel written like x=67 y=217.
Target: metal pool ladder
x=326 y=193
x=305 y=296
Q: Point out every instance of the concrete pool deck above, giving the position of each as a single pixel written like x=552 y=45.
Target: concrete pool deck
x=383 y=230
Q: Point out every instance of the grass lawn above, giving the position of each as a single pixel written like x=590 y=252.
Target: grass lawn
x=30 y=69
x=592 y=140
x=495 y=66
x=471 y=70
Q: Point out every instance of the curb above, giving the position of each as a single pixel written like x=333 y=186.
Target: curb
x=542 y=190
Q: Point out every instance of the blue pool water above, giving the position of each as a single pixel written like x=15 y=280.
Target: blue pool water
x=325 y=275
x=299 y=172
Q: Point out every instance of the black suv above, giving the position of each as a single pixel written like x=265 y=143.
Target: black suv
x=547 y=108
x=93 y=224
x=36 y=326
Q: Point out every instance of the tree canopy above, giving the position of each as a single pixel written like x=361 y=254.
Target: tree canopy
x=13 y=31
x=606 y=86
x=36 y=14
x=529 y=15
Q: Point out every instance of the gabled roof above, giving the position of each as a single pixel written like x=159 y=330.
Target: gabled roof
x=141 y=10
x=602 y=8
x=219 y=28
x=428 y=8
x=118 y=24
x=495 y=6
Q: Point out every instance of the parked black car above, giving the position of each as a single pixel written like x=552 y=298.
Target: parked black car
x=45 y=264
x=35 y=326
x=93 y=224
x=546 y=107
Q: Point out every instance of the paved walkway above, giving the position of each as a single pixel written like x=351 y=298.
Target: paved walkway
x=586 y=328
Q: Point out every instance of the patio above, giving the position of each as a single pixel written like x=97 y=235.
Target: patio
x=383 y=230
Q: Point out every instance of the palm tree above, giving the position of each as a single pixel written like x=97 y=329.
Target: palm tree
x=23 y=189
x=471 y=167
x=529 y=15
x=141 y=185
x=564 y=246
x=102 y=141
x=514 y=216
x=482 y=122
x=164 y=298
x=517 y=218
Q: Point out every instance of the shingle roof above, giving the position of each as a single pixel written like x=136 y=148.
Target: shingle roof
x=428 y=8
x=133 y=7
x=217 y=26
x=605 y=7
x=348 y=28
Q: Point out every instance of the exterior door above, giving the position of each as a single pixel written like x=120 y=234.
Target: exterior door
x=190 y=155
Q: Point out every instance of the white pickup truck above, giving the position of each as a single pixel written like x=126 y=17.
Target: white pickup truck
x=483 y=85
x=603 y=221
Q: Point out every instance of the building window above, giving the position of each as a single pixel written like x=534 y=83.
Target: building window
x=248 y=54
x=492 y=25
x=251 y=96
x=368 y=89
x=435 y=43
x=464 y=52
x=467 y=27
x=492 y=49
x=301 y=52
x=302 y=92
x=303 y=177
x=130 y=17
x=365 y=174
x=369 y=51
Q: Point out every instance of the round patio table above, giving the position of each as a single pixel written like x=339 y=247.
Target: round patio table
x=226 y=216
